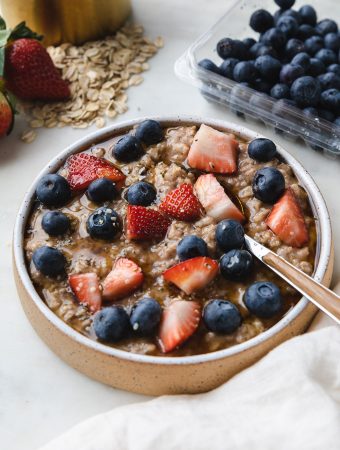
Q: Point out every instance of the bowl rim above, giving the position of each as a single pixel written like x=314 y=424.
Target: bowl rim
x=324 y=241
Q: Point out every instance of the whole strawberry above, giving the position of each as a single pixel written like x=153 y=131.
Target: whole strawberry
x=28 y=70
x=6 y=115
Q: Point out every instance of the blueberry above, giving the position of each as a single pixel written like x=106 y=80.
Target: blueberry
x=227 y=67
x=329 y=80
x=325 y=114
x=332 y=41
x=337 y=122
x=55 y=223
x=305 y=31
x=268 y=67
x=245 y=71
x=111 y=324
x=326 y=56
x=262 y=149
x=231 y=48
x=207 y=64
x=229 y=234
x=49 y=261
x=330 y=99
x=306 y=91
x=263 y=299
x=268 y=184
x=292 y=13
x=249 y=42
x=301 y=59
x=313 y=44
x=308 y=15
x=266 y=50
x=103 y=223
x=53 y=190
x=316 y=67
x=285 y=4
x=334 y=68
x=311 y=112
x=141 y=193
x=145 y=316
x=149 y=132
x=221 y=316
x=290 y=73
x=279 y=91
x=275 y=38
x=191 y=247
x=288 y=25
x=261 y=20
x=128 y=149
x=261 y=85
x=102 y=190
x=293 y=47
x=326 y=26
x=236 y=265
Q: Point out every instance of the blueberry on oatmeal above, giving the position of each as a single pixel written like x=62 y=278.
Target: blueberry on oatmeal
x=103 y=223
x=149 y=132
x=53 y=190
x=141 y=193
x=55 y=223
x=229 y=234
x=236 y=265
x=102 y=190
x=263 y=299
x=221 y=316
x=111 y=324
x=145 y=316
x=190 y=247
x=268 y=184
x=127 y=149
x=49 y=261
x=262 y=149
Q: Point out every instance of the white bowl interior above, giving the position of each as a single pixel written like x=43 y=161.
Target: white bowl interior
x=318 y=205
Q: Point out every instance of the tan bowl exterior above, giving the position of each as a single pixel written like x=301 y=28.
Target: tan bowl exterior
x=165 y=375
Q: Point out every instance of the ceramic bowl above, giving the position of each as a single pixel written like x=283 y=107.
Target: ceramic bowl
x=165 y=375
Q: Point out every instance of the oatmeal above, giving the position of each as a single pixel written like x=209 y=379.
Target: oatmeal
x=150 y=262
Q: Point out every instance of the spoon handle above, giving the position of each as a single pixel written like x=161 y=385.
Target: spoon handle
x=323 y=298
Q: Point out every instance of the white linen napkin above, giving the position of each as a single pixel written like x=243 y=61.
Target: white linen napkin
x=288 y=400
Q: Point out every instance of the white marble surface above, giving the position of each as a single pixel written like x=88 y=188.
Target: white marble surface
x=40 y=396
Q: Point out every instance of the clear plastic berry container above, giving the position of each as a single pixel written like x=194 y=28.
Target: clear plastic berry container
x=244 y=101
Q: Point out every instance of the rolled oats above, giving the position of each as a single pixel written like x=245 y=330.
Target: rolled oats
x=99 y=73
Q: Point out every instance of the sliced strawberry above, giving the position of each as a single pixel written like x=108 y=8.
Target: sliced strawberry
x=145 y=223
x=287 y=222
x=179 y=321
x=181 y=203
x=215 y=201
x=123 y=280
x=192 y=274
x=213 y=151
x=86 y=288
x=84 y=168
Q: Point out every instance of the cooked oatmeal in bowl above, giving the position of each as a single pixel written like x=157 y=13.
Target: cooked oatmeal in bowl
x=134 y=215
x=135 y=241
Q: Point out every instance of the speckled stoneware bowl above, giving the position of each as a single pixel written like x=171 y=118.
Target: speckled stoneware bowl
x=165 y=375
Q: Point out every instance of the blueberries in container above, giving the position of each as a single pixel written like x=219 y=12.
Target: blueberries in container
x=306 y=91
x=261 y=20
x=308 y=15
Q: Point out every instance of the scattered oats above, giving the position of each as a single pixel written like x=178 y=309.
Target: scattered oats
x=36 y=123
x=100 y=122
x=135 y=80
x=159 y=42
x=99 y=72
x=28 y=136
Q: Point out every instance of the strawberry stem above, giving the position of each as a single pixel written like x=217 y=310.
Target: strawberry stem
x=22 y=31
